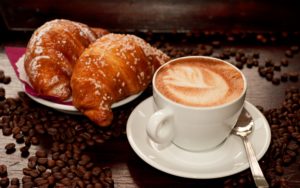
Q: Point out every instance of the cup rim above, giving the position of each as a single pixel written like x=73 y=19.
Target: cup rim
x=200 y=107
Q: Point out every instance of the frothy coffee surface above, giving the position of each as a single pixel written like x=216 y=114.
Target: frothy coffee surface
x=199 y=82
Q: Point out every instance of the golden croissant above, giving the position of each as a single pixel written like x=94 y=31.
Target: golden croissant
x=51 y=54
x=111 y=69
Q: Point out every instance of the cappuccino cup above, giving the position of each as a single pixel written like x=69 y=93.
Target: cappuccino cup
x=197 y=102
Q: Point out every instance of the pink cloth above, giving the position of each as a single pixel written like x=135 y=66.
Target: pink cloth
x=14 y=54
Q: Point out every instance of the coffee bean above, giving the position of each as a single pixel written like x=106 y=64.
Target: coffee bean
x=275 y=81
x=24 y=151
x=2 y=94
x=40 y=181
x=66 y=181
x=41 y=168
x=51 y=180
x=28 y=185
x=3 y=171
x=32 y=161
x=26 y=178
x=19 y=138
x=42 y=161
x=58 y=175
x=284 y=62
x=277 y=66
x=16 y=130
x=50 y=163
x=10 y=148
x=35 y=140
x=293 y=76
x=284 y=77
x=60 y=163
x=41 y=153
x=15 y=181
x=6 y=131
x=4 y=181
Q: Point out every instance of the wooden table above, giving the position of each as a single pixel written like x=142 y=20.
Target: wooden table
x=131 y=171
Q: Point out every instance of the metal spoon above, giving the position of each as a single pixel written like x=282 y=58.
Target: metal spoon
x=243 y=128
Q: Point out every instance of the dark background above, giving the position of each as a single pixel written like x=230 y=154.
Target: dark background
x=155 y=15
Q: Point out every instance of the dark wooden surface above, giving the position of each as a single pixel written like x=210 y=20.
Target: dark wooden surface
x=167 y=15
x=127 y=168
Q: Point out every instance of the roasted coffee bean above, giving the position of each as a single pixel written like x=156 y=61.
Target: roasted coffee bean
x=6 y=80
x=58 y=175
x=35 y=140
x=60 y=163
x=41 y=168
x=26 y=178
x=15 y=181
x=41 y=153
x=40 y=181
x=24 y=151
x=19 y=138
x=84 y=160
x=2 y=94
x=269 y=63
x=277 y=67
x=4 y=181
x=3 y=171
x=293 y=76
x=284 y=62
x=51 y=180
x=10 y=148
x=6 y=131
x=28 y=185
x=32 y=162
x=275 y=81
x=50 y=163
x=42 y=161
x=66 y=181
x=284 y=77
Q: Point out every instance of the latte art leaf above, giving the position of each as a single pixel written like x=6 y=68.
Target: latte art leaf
x=199 y=83
x=186 y=77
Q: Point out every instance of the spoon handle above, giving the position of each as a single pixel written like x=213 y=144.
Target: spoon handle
x=257 y=174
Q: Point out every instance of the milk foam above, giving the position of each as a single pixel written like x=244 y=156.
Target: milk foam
x=199 y=84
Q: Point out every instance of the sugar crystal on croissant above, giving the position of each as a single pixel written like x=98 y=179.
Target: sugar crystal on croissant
x=111 y=69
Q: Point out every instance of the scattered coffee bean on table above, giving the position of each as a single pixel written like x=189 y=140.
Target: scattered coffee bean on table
x=10 y=148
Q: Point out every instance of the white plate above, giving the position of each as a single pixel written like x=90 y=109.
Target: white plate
x=66 y=108
x=70 y=109
x=227 y=159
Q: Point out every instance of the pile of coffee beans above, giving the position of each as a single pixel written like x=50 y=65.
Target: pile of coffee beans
x=66 y=162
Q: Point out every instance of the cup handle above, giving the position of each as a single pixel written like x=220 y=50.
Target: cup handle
x=157 y=130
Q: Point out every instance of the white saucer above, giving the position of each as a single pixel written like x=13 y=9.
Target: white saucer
x=70 y=109
x=228 y=159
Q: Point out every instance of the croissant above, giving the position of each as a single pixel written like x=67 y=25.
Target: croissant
x=111 y=69
x=51 y=54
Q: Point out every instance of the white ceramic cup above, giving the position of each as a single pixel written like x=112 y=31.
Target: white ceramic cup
x=193 y=128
